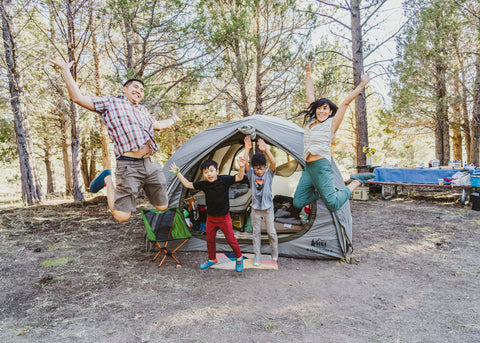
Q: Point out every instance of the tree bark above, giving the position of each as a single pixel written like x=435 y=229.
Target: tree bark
x=457 y=132
x=466 y=127
x=239 y=74
x=98 y=91
x=461 y=88
x=361 y=124
x=31 y=188
x=75 y=128
x=67 y=166
x=442 y=126
x=476 y=114
x=50 y=170
x=258 y=69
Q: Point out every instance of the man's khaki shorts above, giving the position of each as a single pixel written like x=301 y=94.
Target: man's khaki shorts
x=132 y=176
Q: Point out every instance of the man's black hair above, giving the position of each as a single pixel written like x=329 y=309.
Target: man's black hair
x=207 y=164
x=259 y=160
x=129 y=81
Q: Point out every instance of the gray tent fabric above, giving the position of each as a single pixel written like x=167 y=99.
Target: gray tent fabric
x=327 y=236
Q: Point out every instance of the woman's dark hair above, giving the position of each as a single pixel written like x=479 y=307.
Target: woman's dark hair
x=311 y=112
x=259 y=160
x=207 y=164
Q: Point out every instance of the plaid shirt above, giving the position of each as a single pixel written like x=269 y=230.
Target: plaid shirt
x=130 y=126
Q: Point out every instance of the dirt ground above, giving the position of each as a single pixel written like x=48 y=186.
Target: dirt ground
x=69 y=273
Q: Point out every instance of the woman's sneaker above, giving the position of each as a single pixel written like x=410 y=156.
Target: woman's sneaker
x=364 y=177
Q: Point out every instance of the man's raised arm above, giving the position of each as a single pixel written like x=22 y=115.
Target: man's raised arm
x=75 y=94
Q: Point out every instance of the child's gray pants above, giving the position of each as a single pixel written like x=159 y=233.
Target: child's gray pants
x=263 y=218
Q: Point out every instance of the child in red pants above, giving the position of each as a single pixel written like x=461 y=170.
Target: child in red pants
x=218 y=208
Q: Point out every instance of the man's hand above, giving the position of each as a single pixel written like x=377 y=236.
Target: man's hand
x=62 y=65
x=308 y=70
x=175 y=117
x=72 y=87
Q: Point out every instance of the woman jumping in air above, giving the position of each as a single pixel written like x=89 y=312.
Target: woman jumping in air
x=323 y=118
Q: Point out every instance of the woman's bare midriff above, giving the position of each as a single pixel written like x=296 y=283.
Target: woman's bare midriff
x=143 y=152
x=311 y=158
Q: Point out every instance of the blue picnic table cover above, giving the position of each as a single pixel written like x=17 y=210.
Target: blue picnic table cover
x=410 y=175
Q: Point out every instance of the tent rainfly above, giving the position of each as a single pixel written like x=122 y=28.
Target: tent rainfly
x=324 y=235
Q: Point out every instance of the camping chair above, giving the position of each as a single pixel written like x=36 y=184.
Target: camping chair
x=163 y=227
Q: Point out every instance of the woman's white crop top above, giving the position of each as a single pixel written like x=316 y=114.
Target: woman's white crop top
x=318 y=139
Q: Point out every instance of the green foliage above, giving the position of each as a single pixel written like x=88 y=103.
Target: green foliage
x=8 y=144
x=426 y=59
x=259 y=43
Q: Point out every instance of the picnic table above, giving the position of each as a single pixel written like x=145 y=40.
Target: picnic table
x=420 y=177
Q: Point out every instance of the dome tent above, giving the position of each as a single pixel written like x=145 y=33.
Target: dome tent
x=325 y=235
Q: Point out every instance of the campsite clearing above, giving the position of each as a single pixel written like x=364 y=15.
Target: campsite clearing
x=72 y=274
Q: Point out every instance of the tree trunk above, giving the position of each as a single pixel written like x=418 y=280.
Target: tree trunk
x=229 y=108
x=457 y=144
x=67 y=166
x=98 y=92
x=457 y=138
x=460 y=86
x=466 y=124
x=50 y=170
x=31 y=188
x=128 y=43
x=75 y=128
x=93 y=163
x=476 y=114
x=361 y=125
x=77 y=185
x=239 y=74
x=84 y=166
x=63 y=116
x=442 y=126
x=258 y=70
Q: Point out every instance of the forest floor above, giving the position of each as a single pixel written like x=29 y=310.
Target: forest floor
x=69 y=273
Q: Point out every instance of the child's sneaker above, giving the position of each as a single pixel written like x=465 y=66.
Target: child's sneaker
x=99 y=181
x=207 y=264
x=256 y=260
x=239 y=265
x=274 y=254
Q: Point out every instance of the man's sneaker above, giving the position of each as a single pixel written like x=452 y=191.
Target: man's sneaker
x=364 y=177
x=207 y=264
x=239 y=265
x=256 y=260
x=99 y=181
x=275 y=254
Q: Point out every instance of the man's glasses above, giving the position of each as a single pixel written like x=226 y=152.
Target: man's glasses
x=259 y=168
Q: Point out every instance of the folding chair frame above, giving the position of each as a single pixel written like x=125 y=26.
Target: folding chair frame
x=163 y=248
x=166 y=251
